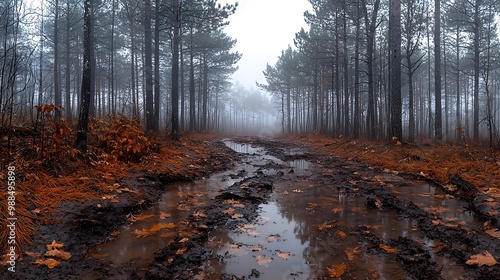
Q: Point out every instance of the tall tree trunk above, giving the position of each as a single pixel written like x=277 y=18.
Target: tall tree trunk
x=437 y=71
x=135 y=101
x=175 y=71
x=192 y=104
x=148 y=43
x=156 y=115
x=57 y=85
x=357 y=109
x=204 y=120
x=112 y=54
x=182 y=86
x=67 y=98
x=371 y=25
x=477 y=38
x=395 y=68
x=346 y=78
x=88 y=73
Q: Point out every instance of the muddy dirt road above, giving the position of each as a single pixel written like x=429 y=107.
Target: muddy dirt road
x=285 y=212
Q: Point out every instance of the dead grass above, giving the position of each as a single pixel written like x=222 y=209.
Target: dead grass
x=477 y=165
x=42 y=187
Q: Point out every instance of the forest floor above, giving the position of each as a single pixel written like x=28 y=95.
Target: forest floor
x=289 y=207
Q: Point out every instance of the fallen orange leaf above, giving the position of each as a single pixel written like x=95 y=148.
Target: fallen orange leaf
x=55 y=245
x=388 y=249
x=493 y=232
x=273 y=237
x=482 y=259
x=438 y=248
x=263 y=260
x=143 y=217
x=50 y=263
x=351 y=252
x=284 y=255
x=58 y=254
x=180 y=251
x=336 y=270
x=164 y=215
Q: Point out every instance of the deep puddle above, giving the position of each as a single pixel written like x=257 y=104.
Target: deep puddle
x=300 y=232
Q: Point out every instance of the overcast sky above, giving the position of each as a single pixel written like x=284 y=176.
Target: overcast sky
x=263 y=29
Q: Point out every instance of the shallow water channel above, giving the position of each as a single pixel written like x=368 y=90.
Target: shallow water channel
x=288 y=240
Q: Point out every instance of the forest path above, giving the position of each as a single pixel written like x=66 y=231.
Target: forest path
x=285 y=211
x=297 y=214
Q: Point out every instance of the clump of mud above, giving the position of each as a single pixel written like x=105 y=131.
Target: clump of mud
x=239 y=203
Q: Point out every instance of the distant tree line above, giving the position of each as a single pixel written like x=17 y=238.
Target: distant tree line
x=341 y=76
x=165 y=62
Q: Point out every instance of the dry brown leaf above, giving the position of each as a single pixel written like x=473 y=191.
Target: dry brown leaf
x=158 y=227
x=482 y=259
x=55 y=245
x=438 y=248
x=341 y=234
x=311 y=206
x=58 y=254
x=246 y=228
x=131 y=218
x=200 y=214
x=185 y=239
x=50 y=263
x=337 y=210
x=273 y=237
x=284 y=255
x=253 y=233
x=324 y=226
x=237 y=216
x=164 y=215
x=388 y=249
x=351 y=252
x=263 y=260
x=237 y=250
x=229 y=211
x=231 y=201
x=239 y=205
x=493 y=232
x=336 y=270
x=143 y=217
x=180 y=251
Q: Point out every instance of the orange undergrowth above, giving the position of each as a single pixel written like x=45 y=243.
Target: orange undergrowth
x=117 y=147
x=480 y=166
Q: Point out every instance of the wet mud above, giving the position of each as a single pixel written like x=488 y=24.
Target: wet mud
x=281 y=212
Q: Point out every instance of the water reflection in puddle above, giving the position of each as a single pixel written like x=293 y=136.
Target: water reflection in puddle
x=268 y=245
x=286 y=241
